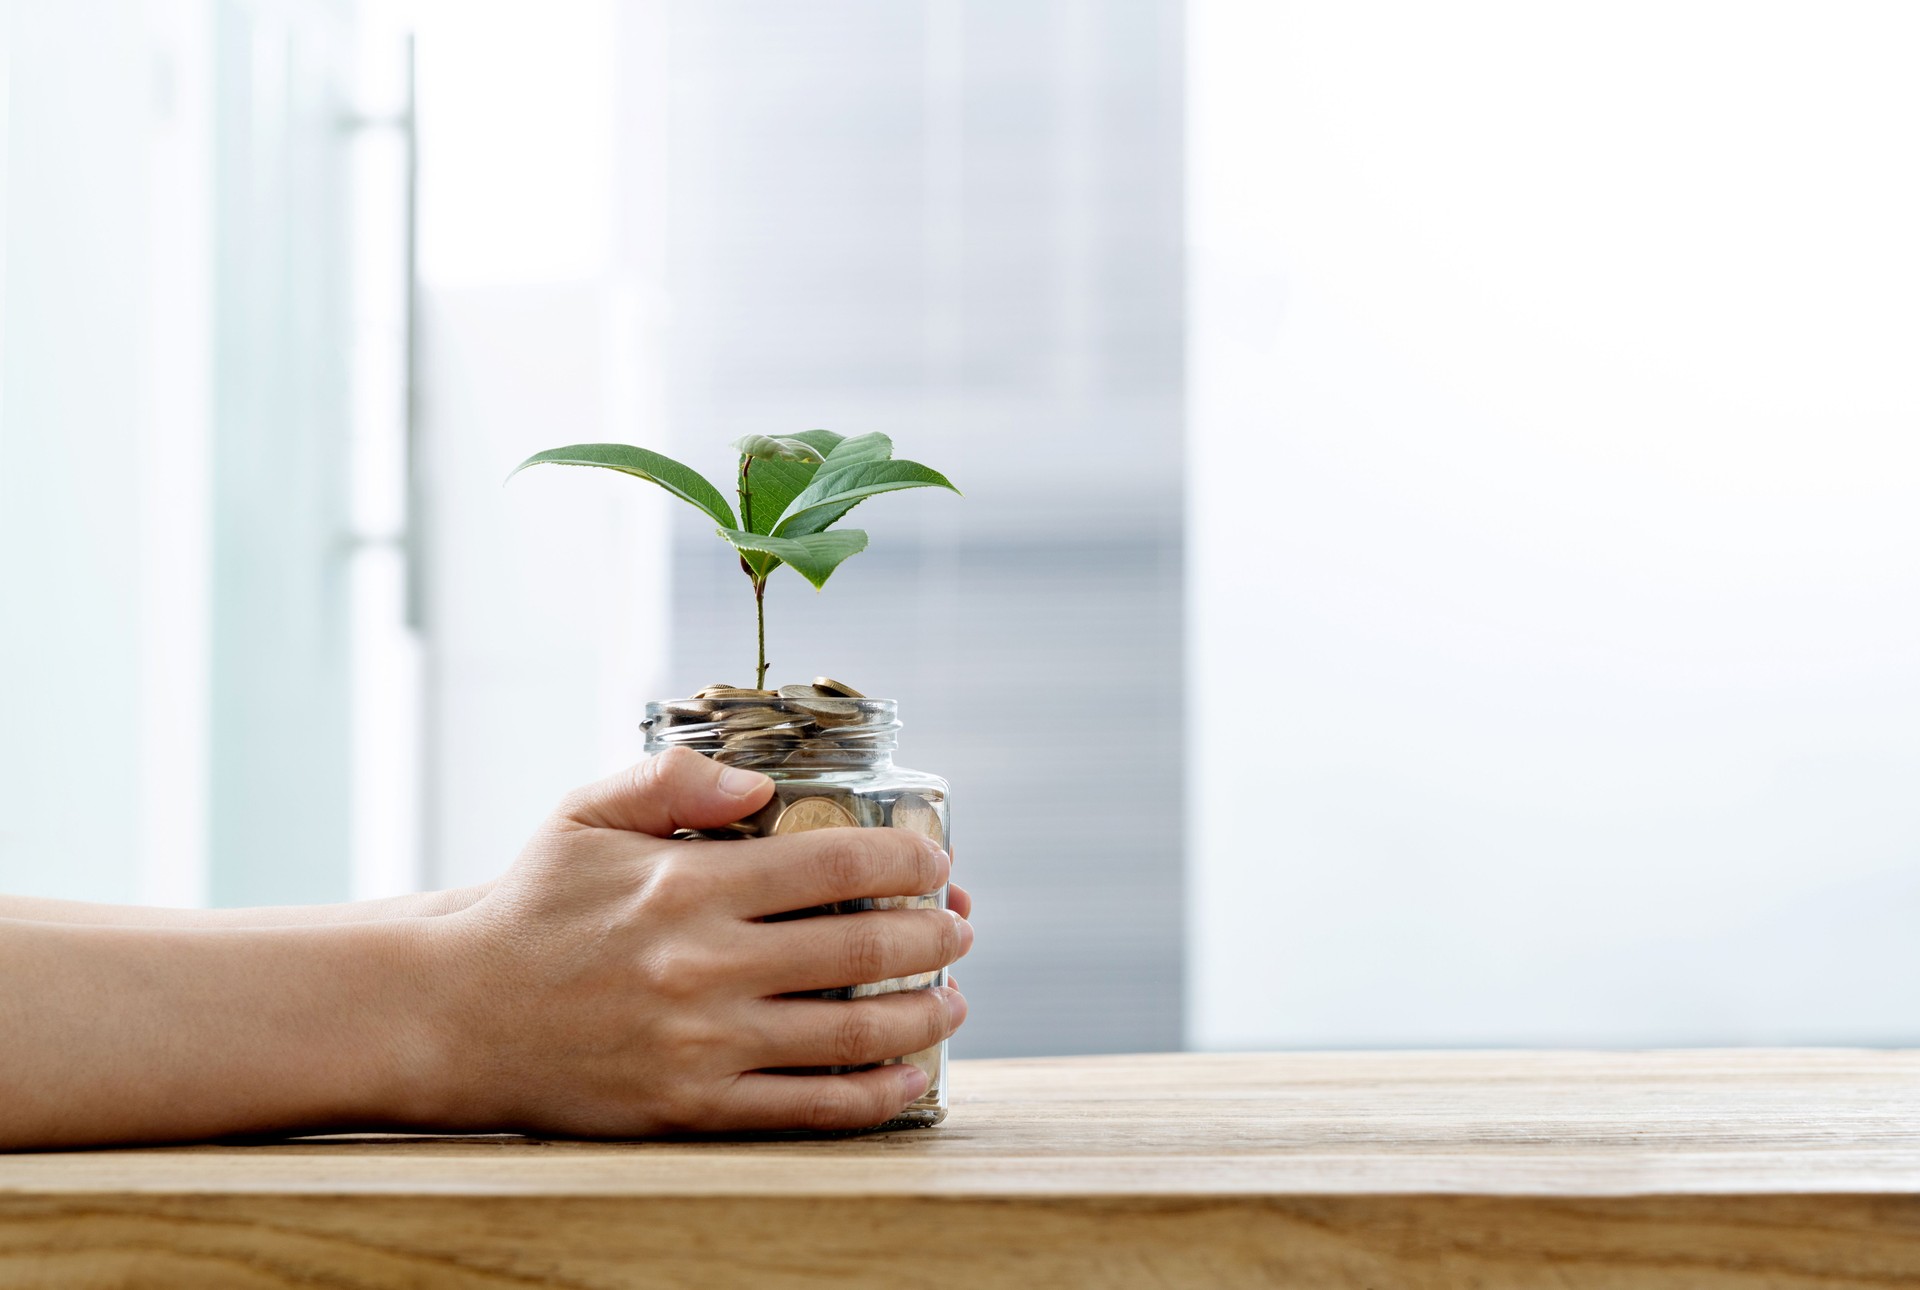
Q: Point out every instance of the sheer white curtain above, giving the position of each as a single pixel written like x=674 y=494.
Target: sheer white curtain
x=542 y=601
x=176 y=526
x=104 y=450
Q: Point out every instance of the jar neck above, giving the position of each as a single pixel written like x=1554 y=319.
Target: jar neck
x=795 y=736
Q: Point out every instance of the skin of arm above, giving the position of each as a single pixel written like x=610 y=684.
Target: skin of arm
x=613 y=982
x=425 y=904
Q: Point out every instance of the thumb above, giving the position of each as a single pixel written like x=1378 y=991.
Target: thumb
x=679 y=789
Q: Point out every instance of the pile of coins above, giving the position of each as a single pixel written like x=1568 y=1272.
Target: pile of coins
x=821 y=726
x=801 y=726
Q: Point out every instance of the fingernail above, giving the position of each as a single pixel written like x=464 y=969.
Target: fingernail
x=966 y=931
x=956 y=1005
x=913 y=1080
x=735 y=782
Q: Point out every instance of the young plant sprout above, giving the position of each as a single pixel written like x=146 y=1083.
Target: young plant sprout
x=793 y=489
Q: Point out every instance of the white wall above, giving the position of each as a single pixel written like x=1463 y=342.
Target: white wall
x=1555 y=497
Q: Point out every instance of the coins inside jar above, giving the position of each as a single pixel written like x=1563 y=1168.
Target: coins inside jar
x=827 y=747
x=809 y=813
x=820 y=726
x=915 y=814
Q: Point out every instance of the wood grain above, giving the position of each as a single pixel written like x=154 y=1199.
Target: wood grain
x=1703 y=1169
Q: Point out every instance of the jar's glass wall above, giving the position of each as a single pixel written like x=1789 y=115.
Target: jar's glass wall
x=831 y=760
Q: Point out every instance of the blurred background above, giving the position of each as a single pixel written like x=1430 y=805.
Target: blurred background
x=1441 y=555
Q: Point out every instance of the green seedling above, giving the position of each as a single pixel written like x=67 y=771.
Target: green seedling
x=793 y=490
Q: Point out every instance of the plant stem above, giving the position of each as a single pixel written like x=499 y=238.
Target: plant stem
x=759 y=579
x=760 y=619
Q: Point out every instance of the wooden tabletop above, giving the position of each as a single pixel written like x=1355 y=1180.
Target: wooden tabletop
x=1699 y=1169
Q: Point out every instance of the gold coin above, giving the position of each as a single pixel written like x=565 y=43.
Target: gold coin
x=912 y=812
x=808 y=813
x=837 y=688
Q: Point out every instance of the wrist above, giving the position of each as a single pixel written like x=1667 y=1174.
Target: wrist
x=411 y=1063
x=429 y=1072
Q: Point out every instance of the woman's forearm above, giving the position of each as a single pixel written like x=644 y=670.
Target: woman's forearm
x=615 y=982
x=413 y=905
x=155 y=1034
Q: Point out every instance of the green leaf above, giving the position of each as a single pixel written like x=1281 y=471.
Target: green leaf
x=860 y=448
x=775 y=482
x=814 y=556
x=824 y=440
x=835 y=492
x=766 y=447
x=684 y=482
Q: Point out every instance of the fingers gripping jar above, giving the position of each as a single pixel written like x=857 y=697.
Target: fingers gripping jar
x=830 y=755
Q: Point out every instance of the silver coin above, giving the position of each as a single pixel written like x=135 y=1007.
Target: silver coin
x=915 y=814
x=754 y=718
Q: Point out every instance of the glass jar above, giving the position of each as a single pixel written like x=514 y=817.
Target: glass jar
x=831 y=760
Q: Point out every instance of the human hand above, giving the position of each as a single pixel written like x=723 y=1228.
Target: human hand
x=618 y=983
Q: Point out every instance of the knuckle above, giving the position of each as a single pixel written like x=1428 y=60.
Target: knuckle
x=654 y=772
x=681 y=1107
x=858 y=1037
x=692 y=1047
x=689 y=1039
x=574 y=806
x=832 y=1104
x=849 y=861
x=866 y=948
x=678 y=881
x=678 y=973
x=655 y=975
